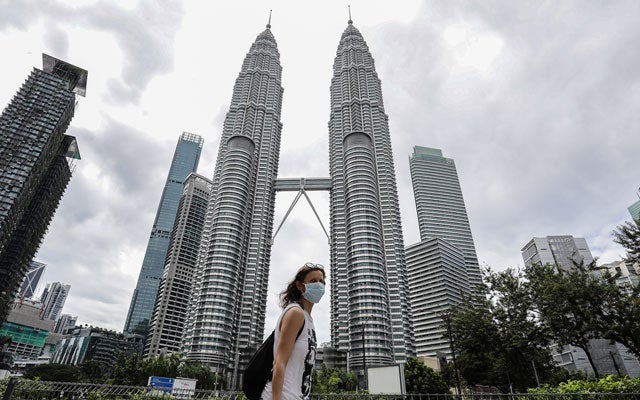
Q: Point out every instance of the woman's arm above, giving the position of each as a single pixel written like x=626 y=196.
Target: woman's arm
x=290 y=325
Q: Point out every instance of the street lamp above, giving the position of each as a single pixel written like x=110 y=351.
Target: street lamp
x=364 y=351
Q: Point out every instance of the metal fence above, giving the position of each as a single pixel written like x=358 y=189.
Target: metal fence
x=23 y=389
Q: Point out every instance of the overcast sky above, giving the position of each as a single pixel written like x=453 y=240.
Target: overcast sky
x=537 y=103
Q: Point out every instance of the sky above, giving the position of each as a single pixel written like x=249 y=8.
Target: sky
x=536 y=101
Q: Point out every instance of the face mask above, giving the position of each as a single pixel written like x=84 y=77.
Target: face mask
x=313 y=291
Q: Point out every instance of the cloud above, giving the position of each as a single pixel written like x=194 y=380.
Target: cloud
x=545 y=140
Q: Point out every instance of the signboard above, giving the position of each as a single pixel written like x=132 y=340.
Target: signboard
x=160 y=383
x=388 y=379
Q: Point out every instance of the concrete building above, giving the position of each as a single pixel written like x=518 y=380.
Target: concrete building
x=36 y=163
x=229 y=296
x=96 y=344
x=64 y=323
x=440 y=205
x=185 y=161
x=565 y=252
x=438 y=279
x=53 y=298
x=170 y=311
x=370 y=311
x=31 y=334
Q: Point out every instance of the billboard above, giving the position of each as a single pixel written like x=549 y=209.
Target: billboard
x=388 y=379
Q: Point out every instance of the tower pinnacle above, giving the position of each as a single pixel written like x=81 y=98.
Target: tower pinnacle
x=350 y=21
x=269 y=23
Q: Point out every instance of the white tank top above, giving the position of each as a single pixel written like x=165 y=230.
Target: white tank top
x=297 y=376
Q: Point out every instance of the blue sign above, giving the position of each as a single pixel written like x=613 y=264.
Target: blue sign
x=160 y=383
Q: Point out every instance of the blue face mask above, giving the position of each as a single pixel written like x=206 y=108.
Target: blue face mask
x=313 y=291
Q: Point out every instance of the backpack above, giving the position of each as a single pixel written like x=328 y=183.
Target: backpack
x=260 y=368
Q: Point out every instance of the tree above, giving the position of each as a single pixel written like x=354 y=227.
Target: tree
x=498 y=336
x=628 y=236
x=562 y=298
x=420 y=379
x=55 y=373
x=333 y=380
x=92 y=371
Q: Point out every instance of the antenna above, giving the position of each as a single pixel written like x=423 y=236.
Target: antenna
x=269 y=23
x=350 y=21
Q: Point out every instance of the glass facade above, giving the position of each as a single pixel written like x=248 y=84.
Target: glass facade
x=185 y=161
x=440 y=205
x=634 y=210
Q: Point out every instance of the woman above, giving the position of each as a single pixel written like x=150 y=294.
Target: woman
x=294 y=348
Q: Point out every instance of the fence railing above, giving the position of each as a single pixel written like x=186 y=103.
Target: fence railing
x=23 y=389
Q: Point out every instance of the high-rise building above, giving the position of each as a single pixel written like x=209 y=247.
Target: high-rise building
x=440 y=205
x=53 y=298
x=370 y=311
x=563 y=251
x=228 y=305
x=169 y=313
x=31 y=279
x=438 y=280
x=634 y=210
x=185 y=161
x=36 y=162
x=64 y=323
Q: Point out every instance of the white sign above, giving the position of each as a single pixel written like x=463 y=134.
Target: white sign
x=388 y=379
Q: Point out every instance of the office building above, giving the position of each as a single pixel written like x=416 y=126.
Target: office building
x=370 y=312
x=369 y=289
x=31 y=279
x=169 y=313
x=64 y=323
x=228 y=305
x=565 y=252
x=36 y=163
x=185 y=161
x=438 y=280
x=53 y=298
x=441 y=209
x=30 y=333
x=634 y=210
x=94 y=344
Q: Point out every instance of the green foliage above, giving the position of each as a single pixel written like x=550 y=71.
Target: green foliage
x=498 y=337
x=55 y=373
x=333 y=380
x=610 y=384
x=136 y=372
x=628 y=236
x=420 y=379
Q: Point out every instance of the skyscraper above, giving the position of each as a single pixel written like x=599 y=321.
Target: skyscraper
x=31 y=279
x=562 y=251
x=170 y=310
x=438 y=279
x=53 y=298
x=228 y=304
x=185 y=161
x=370 y=312
x=36 y=162
x=440 y=205
x=634 y=210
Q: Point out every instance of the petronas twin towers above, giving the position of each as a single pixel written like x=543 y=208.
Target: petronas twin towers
x=370 y=314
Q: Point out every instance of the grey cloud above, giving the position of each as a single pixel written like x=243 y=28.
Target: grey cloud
x=57 y=41
x=547 y=146
x=145 y=35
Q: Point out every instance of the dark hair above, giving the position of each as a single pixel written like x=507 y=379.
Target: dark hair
x=292 y=294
